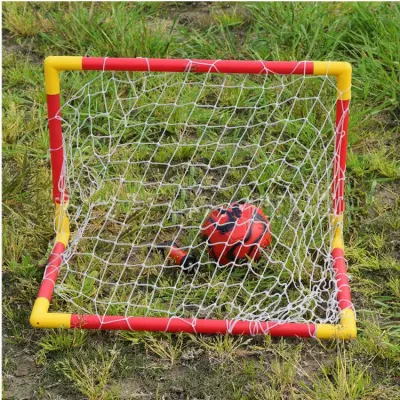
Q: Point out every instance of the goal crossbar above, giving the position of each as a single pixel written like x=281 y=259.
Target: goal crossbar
x=42 y=318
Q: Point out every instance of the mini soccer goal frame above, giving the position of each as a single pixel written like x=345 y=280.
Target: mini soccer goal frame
x=41 y=317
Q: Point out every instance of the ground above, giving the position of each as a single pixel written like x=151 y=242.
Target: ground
x=106 y=365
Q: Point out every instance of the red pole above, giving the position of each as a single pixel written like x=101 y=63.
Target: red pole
x=338 y=185
x=51 y=272
x=56 y=146
x=182 y=65
x=191 y=325
x=342 y=279
x=339 y=167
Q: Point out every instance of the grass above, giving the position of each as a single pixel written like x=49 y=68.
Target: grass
x=118 y=365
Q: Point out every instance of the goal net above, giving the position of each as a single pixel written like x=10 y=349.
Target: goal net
x=148 y=155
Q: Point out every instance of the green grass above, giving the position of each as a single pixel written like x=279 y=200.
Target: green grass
x=115 y=365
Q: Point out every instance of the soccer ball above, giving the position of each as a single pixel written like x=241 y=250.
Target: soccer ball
x=236 y=233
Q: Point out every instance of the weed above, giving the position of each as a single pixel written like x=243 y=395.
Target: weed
x=344 y=379
x=223 y=348
x=91 y=377
x=169 y=348
x=60 y=340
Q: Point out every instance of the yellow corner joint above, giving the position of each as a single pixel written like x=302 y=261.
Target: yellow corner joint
x=346 y=330
x=52 y=67
x=342 y=72
x=41 y=318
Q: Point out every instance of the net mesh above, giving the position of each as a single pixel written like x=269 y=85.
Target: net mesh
x=150 y=155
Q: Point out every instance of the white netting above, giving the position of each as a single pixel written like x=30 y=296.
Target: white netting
x=149 y=155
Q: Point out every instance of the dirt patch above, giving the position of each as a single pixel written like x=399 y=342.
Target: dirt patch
x=129 y=389
x=192 y=14
x=388 y=195
x=11 y=46
x=22 y=381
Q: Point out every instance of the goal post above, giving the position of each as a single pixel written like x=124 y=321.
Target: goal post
x=144 y=156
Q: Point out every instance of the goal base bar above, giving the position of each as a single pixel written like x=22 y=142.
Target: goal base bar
x=41 y=318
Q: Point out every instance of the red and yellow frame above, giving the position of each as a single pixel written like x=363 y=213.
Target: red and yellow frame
x=42 y=318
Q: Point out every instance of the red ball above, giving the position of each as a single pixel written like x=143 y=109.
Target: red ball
x=236 y=233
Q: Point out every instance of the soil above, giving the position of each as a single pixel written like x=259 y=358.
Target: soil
x=194 y=14
x=11 y=46
x=22 y=382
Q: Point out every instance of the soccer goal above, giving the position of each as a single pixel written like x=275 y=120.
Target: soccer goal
x=147 y=154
